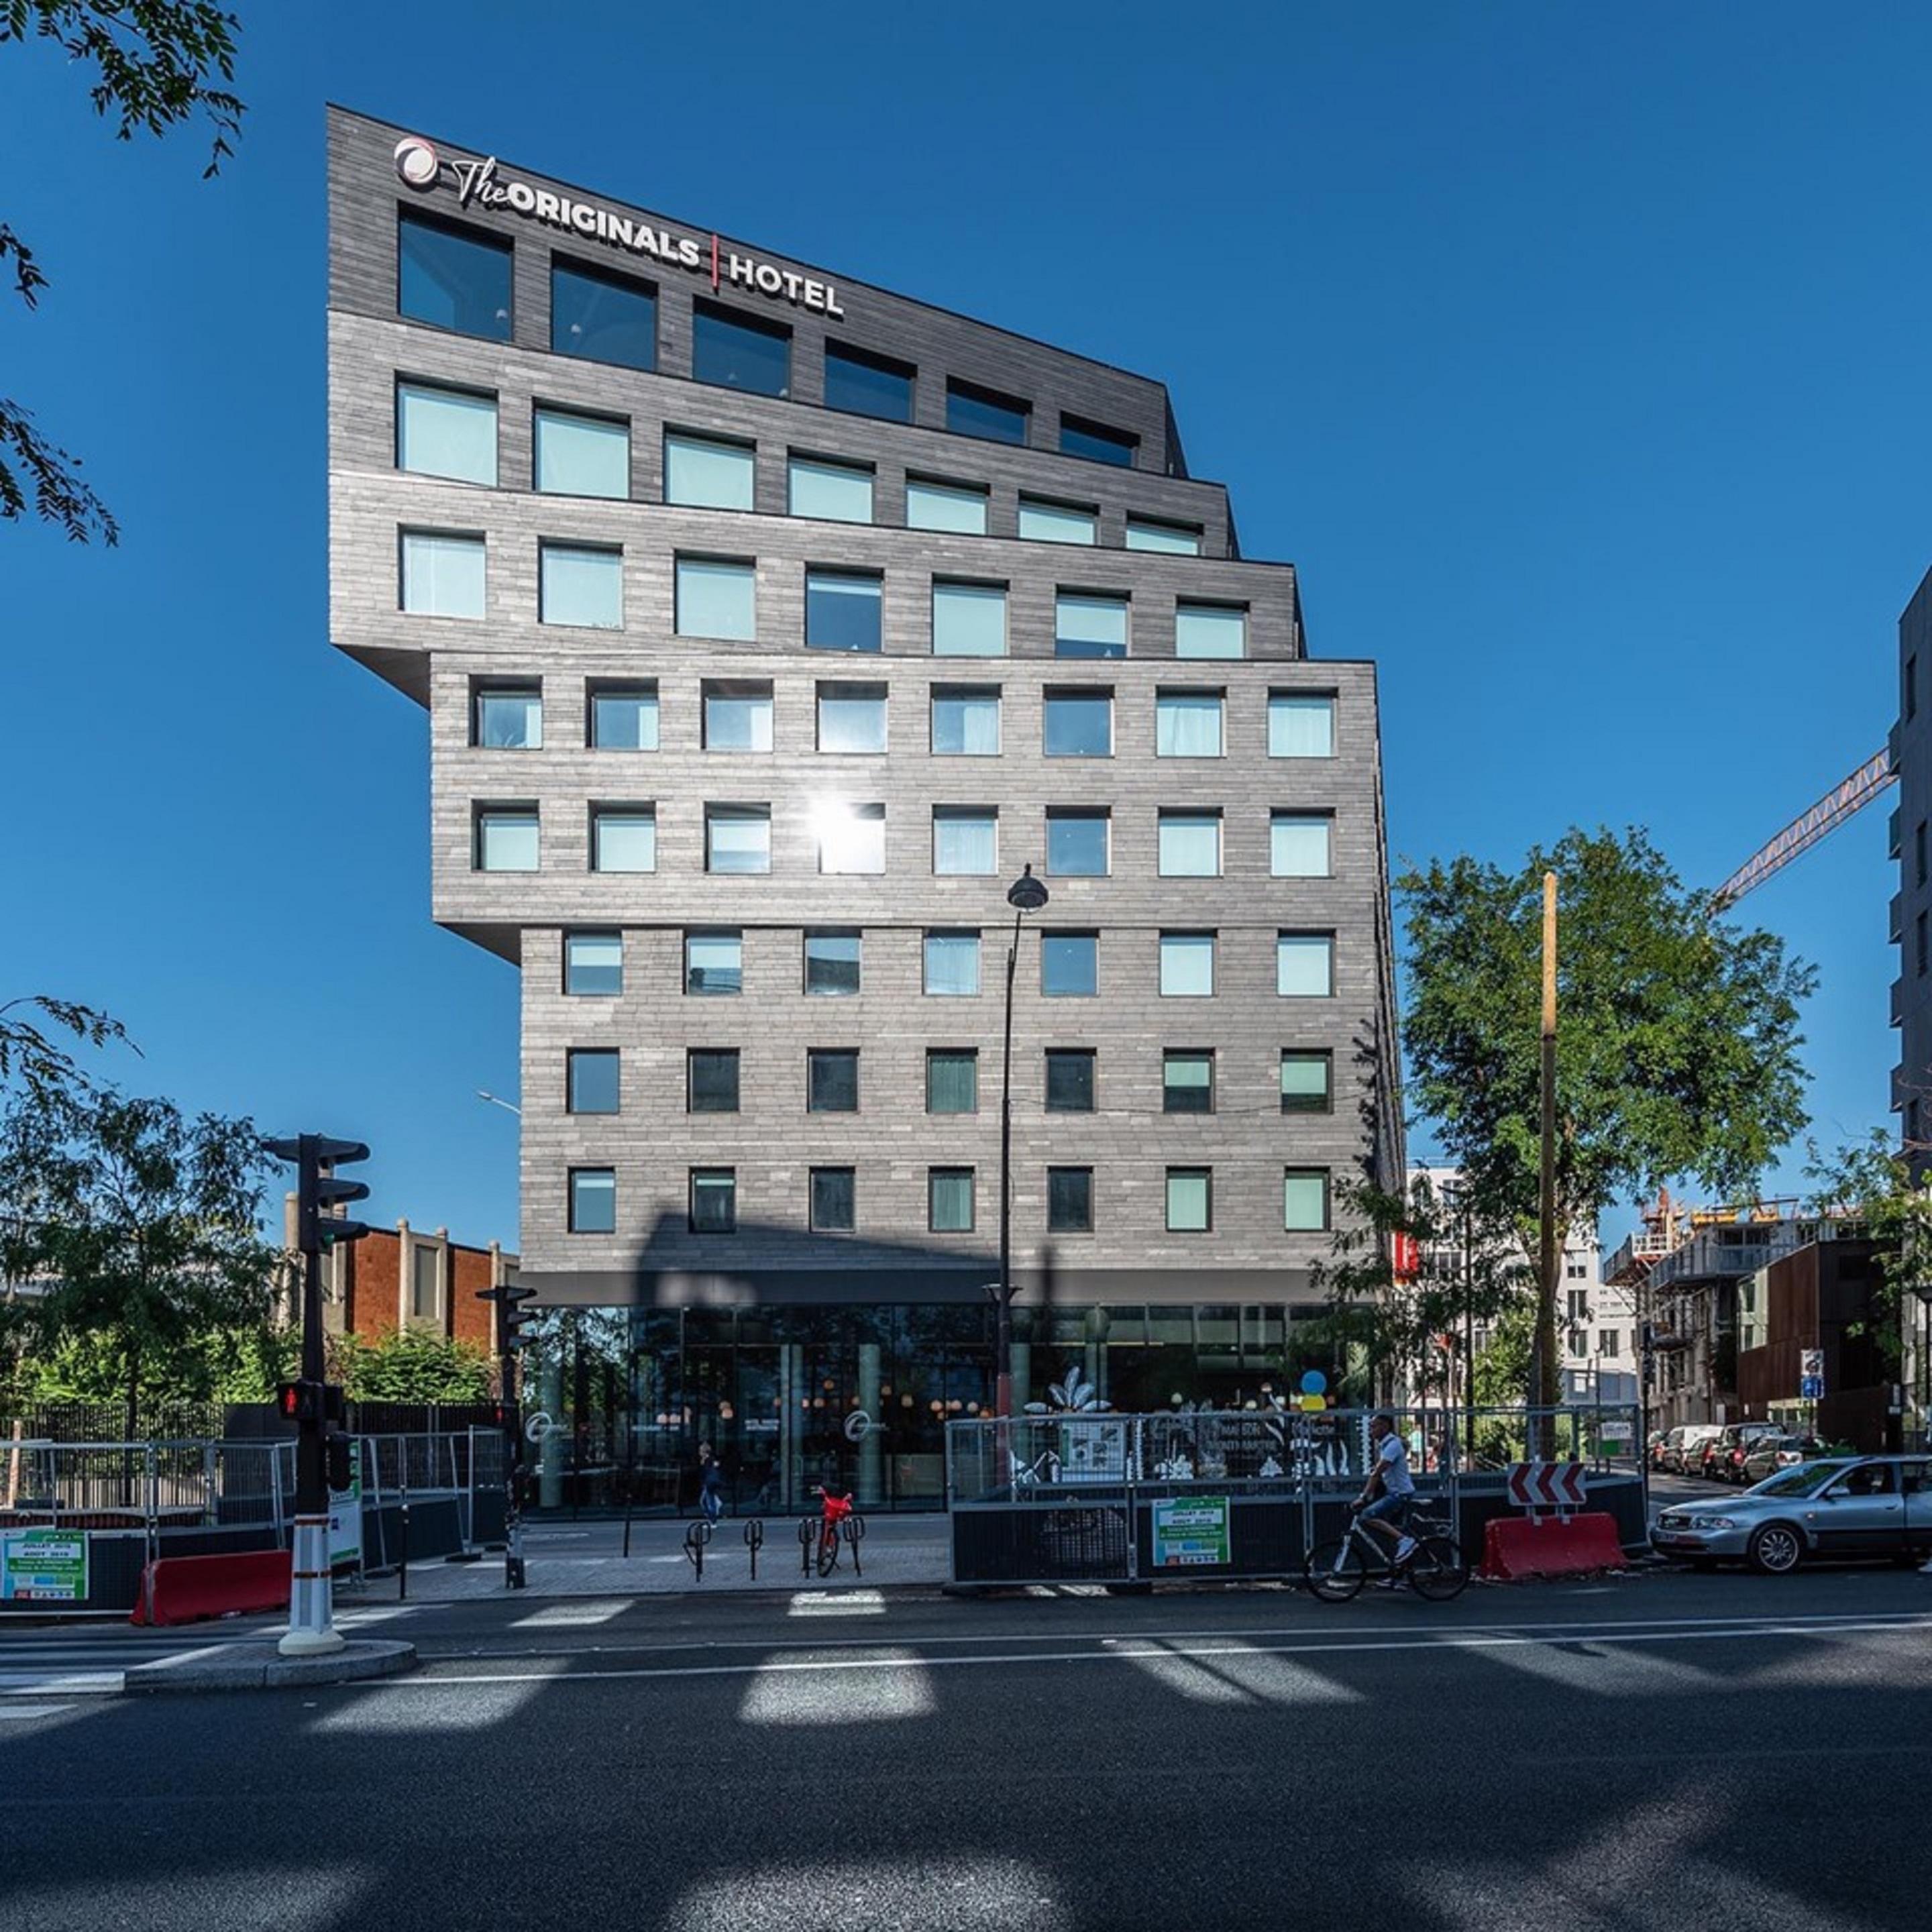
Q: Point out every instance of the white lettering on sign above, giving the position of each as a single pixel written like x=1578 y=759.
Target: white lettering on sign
x=478 y=184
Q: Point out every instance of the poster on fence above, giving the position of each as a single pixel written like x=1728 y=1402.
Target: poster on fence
x=43 y=1566
x=1190 y=1529
x=345 y=1515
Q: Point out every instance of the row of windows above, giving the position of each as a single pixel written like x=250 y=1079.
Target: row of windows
x=714 y=598
x=964 y=721
x=593 y=1080
x=951 y=1202
x=1069 y=963
x=457 y=277
x=453 y=434
x=850 y=841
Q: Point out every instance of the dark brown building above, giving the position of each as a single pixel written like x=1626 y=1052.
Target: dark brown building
x=1822 y=1296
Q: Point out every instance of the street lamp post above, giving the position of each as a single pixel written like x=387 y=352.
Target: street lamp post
x=1025 y=895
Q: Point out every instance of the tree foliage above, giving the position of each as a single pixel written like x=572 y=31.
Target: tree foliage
x=1866 y=1186
x=155 y=64
x=30 y=1053
x=410 y=1365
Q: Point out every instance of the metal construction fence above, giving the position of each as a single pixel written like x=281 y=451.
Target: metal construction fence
x=1244 y=1494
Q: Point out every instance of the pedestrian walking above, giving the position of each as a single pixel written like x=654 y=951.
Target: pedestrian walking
x=710 y=1484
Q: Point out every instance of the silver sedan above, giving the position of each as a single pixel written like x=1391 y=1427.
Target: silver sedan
x=1867 y=1506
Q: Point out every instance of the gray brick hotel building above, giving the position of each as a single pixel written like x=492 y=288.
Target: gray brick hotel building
x=768 y=624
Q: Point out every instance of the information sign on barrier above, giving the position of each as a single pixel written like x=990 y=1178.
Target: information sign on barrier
x=345 y=1514
x=1548 y=1485
x=43 y=1566
x=1191 y=1529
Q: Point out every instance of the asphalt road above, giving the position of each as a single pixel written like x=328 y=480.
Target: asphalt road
x=1634 y=1755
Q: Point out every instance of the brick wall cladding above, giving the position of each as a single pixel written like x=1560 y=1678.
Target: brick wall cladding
x=470 y=1320
x=772 y=1142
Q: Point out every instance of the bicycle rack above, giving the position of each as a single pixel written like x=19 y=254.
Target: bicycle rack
x=855 y=1534
x=754 y=1538
x=696 y=1536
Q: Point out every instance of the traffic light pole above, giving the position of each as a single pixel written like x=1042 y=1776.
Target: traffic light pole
x=510 y=1319
x=311 y=1631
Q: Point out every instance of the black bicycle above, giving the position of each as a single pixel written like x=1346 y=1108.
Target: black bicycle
x=1435 y=1568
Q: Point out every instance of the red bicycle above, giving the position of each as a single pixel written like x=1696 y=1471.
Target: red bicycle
x=837 y=1514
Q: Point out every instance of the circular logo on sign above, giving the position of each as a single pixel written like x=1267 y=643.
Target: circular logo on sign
x=416 y=162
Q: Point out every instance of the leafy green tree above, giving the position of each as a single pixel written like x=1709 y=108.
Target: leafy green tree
x=1867 y=1187
x=32 y=1056
x=1677 y=1036
x=409 y=1365
x=155 y=64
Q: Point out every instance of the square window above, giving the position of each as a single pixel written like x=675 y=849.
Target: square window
x=581 y=585
x=711 y=1080
x=451 y=277
x=1190 y=845
x=593 y=964
x=1070 y=965
x=714 y=1201
x=602 y=317
x=986 y=413
x=851 y=718
x=442 y=574
x=851 y=838
x=1209 y=631
x=582 y=456
x=1096 y=442
x=506 y=838
x=714 y=962
x=951 y=1080
x=965 y=722
x=1298 y=844
x=1305 y=1078
x=1187 y=1081
x=737 y=353
x=1300 y=725
x=624 y=717
x=449 y=433
x=1173 y=539
x=969 y=620
x=701 y=473
x=842 y=611
x=1079 y=724
x=832 y=1080
x=1187 y=965
x=957 y=507
x=591 y=1080
x=833 y=1205
x=839 y=492
x=1070 y=1080
x=949 y=1200
x=738 y=838
x=506 y=718
x=832 y=963
x=1304 y=1201
x=1187 y=724
x=862 y=384
x=952 y=964
x=593 y=1200
x=717 y=599
x=737 y=717
x=1304 y=966
x=1086 y=625
x=1077 y=843
x=1070 y=1200
x=1190 y=1200
x=623 y=839
x=965 y=842
x=1042 y=522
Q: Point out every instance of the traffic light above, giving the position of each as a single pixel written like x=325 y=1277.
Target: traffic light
x=299 y=1401
x=338 y=1462
x=334 y=1406
x=318 y=1191
x=511 y=1318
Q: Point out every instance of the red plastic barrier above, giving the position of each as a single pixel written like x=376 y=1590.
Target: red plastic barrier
x=1518 y=1546
x=185 y=1589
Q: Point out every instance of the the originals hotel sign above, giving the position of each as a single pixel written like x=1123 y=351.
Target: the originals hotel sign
x=478 y=184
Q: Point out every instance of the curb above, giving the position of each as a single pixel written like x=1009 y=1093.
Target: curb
x=248 y=1668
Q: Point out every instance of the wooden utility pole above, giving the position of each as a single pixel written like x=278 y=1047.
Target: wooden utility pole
x=1544 y=1380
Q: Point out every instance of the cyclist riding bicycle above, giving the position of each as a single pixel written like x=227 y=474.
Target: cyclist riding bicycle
x=1387 y=1514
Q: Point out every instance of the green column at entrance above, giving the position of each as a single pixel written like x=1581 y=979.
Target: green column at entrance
x=791 y=1379
x=550 y=1484
x=1022 y=1375
x=868 y=1489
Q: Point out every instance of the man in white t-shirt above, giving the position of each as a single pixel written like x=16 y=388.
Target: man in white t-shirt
x=1390 y=1485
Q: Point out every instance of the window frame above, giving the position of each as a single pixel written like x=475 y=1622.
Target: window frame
x=1174 y=1056
x=1206 y=1176
x=723 y=1059
x=711 y=1176
x=952 y=1172
x=706 y=315
x=1070 y=1056
x=1085 y=1226
x=815 y=1056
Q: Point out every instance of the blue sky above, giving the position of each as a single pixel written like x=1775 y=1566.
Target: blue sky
x=1576 y=355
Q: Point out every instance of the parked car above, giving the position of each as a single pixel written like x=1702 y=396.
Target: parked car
x=1865 y=1507
x=1685 y=1445
x=1770 y=1453
x=1735 y=1443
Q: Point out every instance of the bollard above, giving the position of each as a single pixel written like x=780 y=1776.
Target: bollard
x=403 y=1568
x=629 y=1501
x=696 y=1536
x=807 y=1533
x=855 y=1534
x=754 y=1538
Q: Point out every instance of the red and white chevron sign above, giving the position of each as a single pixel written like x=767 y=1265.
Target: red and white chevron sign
x=1547 y=1485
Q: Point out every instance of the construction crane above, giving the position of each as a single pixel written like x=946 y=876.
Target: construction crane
x=1852 y=794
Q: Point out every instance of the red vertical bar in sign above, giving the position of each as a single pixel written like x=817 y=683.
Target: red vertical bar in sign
x=714 y=261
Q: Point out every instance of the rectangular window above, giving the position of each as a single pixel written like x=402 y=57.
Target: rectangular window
x=1301 y=727
x=582 y=456
x=832 y=963
x=581 y=585
x=949 y=1200
x=957 y=507
x=714 y=962
x=1190 y=845
x=1077 y=843
x=623 y=839
x=1304 y=1200
x=1070 y=1080
x=738 y=838
x=1606 y=1341
x=965 y=722
x=1187 y=965
x=952 y=1081
x=1190 y=1200
x=952 y=964
x=832 y=1080
x=602 y=317
x=1079 y=724
x=624 y=717
x=591 y=1080
x=446 y=433
x=737 y=717
x=507 y=719
x=986 y=413
x=703 y=474
x=965 y=842
x=1070 y=1200
x=1187 y=724
x=711 y=1080
x=839 y=492
x=851 y=717
x=1042 y=522
x=851 y=838
x=452 y=277
x=714 y=1201
x=1173 y=539
x=1087 y=626
x=716 y=598
x=1306 y=1077
x=1298 y=845
x=1187 y=1081
x=1209 y=631
x=1096 y=442
x=1070 y=965
x=506 y=838
x=1304 y=965
x=593 y=1200
x=842 y=611
x=969 y=620
x=593 y=964
x=862 y=384
x=425 y=1280
x=739 y=354
x=833 y=1200
x=442 y=574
